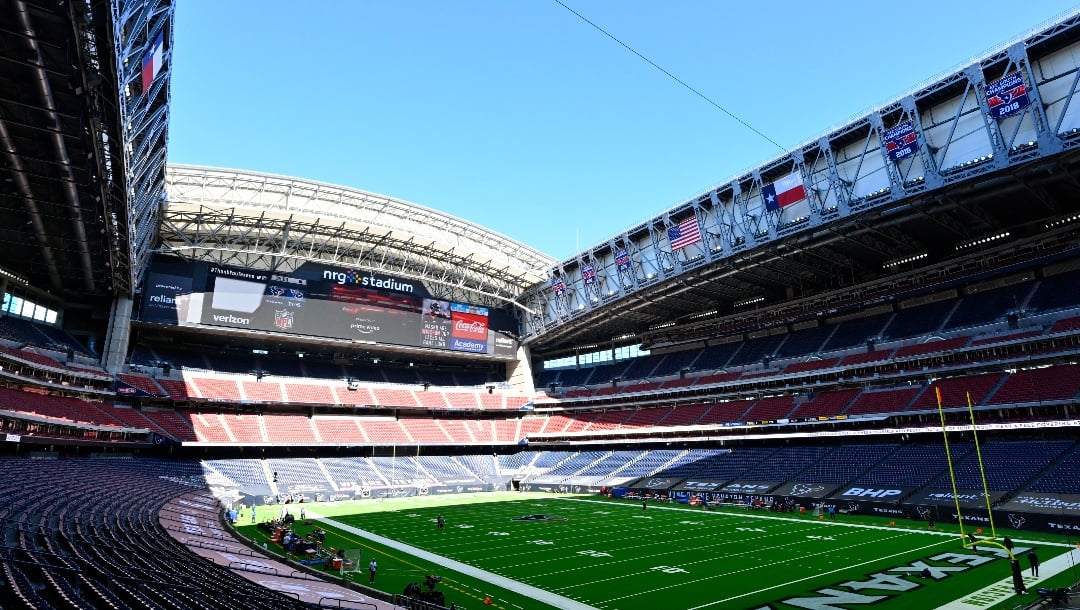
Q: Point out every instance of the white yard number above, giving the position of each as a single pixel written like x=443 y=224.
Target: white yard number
x=541 y=542
x=668 y=570
x=463 y=526
x=498 y=533
x=690 y=522
x=749 y=529
x=594 y=553
x=821 y=538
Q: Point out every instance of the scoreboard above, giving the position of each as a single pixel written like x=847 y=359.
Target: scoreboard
x=322 y=301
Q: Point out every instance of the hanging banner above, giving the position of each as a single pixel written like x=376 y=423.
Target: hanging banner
x=588 y=275
x=558 y=286
x=1007 y=96
x=901 y=141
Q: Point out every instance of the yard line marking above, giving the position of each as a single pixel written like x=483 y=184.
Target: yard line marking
x=552 y=599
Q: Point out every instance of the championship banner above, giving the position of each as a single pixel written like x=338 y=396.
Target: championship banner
x=588 y=275
x=622 y=260
x=1007 y=96
x=901 y=141
x=558 y=286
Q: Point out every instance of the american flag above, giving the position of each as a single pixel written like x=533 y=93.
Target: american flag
x=684 y=234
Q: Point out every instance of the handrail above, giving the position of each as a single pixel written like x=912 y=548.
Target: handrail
x=338 y=600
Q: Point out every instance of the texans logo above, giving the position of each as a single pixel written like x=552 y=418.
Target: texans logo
x=805 y=489
x=1017 y=521
x=923 y=511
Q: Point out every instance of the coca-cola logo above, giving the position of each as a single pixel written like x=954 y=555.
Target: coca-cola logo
x=470 y=326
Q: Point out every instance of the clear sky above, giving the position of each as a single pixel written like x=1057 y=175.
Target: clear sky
x=520 y=117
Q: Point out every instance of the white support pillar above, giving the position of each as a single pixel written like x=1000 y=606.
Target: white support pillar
x=520 y=372
x=116 y=339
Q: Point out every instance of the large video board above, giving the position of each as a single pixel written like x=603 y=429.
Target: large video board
x=321 y=301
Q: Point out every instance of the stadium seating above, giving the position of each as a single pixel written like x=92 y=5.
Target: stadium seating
x=985 y=307
x=843 y=464
x=107 y=544
x=1042 y=384
x=825 y=404
x=1063 y=477
x=954 y=392
x=883 y=401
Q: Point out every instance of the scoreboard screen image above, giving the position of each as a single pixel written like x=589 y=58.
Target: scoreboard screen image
x=321 y=301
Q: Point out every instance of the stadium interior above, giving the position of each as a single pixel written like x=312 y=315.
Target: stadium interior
x=793 y=353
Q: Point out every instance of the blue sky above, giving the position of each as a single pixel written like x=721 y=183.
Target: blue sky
x=518 y=116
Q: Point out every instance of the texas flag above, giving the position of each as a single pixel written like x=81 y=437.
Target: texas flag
x=783 y=192
x=151 y=63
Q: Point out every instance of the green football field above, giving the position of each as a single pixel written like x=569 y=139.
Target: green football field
x=592 y=552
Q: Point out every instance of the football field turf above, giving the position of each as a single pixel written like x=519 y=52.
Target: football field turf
x=591 y=552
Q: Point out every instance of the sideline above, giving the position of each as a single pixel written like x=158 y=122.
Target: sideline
x=557 y=601
x=1002 y=590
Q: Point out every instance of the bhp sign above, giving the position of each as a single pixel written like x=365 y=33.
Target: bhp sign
x=469 y=326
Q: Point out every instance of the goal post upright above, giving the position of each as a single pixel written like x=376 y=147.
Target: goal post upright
x=948 y=460
x=982 y=468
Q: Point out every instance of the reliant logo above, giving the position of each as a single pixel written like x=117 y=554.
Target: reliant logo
x=163 y=299
x=860 y=492
x=231 y=319
x=354 y=278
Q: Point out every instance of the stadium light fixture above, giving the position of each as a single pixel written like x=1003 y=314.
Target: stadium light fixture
x=1053 y=224
x=749 y=301
x=983 y=240
x=903 y=261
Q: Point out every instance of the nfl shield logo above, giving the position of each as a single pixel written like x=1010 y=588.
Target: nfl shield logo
x=283 y=319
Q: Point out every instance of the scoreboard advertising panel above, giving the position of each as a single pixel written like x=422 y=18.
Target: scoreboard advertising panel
x=321 y=301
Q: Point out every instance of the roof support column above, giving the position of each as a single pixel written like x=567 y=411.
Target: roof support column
x=118 y=336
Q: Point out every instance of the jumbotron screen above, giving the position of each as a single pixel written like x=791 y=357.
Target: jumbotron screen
x=321 y=301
